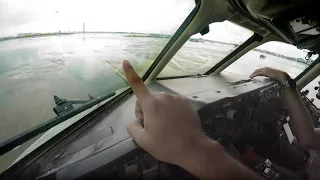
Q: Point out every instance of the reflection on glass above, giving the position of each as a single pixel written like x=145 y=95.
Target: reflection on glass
x=200 y=53
x=73 y=50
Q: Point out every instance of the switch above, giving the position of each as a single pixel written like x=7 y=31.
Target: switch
x=231 y=114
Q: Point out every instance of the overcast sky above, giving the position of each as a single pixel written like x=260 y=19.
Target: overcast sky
x=285 y=49
x=226 y=32
x=154 y=16
x=99 y=15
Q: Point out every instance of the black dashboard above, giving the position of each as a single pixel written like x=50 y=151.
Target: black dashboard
x=252 y=120
x=243 y=118
x=247 y=125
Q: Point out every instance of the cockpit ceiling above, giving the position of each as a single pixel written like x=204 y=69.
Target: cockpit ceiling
x=294 y=21
x=220 y=10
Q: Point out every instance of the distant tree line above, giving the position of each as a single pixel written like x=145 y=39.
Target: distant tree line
x=30 y=35
x=129 y=34
x=152 y=35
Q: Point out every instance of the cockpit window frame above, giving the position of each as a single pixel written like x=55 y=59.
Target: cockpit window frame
x=173 y=39
x=255 y=37
x=10 y=144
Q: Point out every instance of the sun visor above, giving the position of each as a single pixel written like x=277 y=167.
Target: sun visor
x=270 y=9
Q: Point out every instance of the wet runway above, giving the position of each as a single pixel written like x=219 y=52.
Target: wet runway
x=33 y=70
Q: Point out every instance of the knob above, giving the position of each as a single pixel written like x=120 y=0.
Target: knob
x=305 y=93
x=231 y=114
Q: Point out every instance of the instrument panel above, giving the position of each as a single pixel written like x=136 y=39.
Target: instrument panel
x=244 y=117
x=248 y=119
x=245 y=120
x=238 y=120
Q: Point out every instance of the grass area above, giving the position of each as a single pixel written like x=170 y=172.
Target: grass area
x=137 y=36
x=149 y=36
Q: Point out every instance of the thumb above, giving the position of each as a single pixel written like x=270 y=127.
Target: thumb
x=136 y=131
x=258 y=72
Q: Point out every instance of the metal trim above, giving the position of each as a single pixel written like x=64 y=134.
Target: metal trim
x=307 y=69
x=174 y=38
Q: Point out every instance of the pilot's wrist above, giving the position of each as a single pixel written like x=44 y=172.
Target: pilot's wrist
x=210 y=161
x=205 y=159
x=283 y=77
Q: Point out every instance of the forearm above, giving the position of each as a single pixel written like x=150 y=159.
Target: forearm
x=300 y=120
x=204 y=164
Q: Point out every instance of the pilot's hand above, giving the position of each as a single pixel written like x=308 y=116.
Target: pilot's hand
x=274 y=74
x=169 y=129
x=166 y=125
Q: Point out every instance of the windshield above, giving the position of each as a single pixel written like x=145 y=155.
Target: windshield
x=278 y=55
x=200 y=53
x=58 y=55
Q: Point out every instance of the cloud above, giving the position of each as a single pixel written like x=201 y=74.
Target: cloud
x=12 y=14
x=99 y=15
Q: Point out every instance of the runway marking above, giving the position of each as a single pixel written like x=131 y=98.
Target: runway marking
x=115 y=70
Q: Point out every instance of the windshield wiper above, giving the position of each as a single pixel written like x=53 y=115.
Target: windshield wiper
x=65 y=106
x=64 y=112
